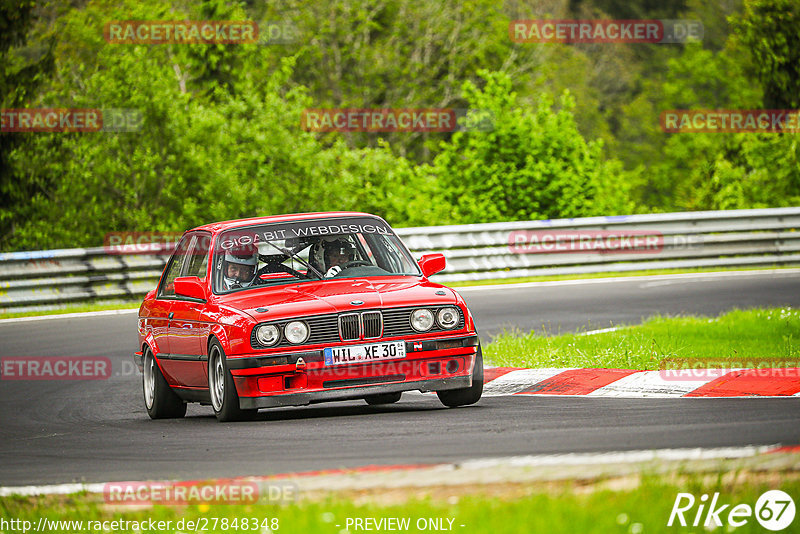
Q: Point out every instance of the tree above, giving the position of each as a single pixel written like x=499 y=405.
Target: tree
x=532 y=165
x=749 y=171
x=770 y=29
x=22 y=71
x=206 y=151
x=399 y=54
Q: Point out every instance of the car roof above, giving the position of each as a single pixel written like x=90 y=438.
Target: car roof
x=221 y=226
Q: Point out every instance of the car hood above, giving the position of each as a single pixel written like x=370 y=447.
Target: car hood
x=334 y=296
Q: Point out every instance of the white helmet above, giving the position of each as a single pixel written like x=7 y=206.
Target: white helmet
x=245 y=258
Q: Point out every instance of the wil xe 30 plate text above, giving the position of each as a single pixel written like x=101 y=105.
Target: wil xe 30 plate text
x=365 y=353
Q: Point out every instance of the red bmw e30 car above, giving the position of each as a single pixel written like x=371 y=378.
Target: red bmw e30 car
x=291 y=310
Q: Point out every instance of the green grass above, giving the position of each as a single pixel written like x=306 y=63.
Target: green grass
x=755 y=334
x=615 y=274
x=553 y=508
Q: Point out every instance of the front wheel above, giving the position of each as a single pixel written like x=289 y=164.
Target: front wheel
x=224 y=398
x=465 y=396
x=159 y=399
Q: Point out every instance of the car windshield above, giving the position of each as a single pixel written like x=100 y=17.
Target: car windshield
x=322 y=249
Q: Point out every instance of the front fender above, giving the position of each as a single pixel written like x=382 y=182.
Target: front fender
x=469 y=322
x=231 y=327
x=219 y=332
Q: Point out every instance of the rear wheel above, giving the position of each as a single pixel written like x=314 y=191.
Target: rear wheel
x=383 y=398
x=224 y=398
x=462 y=397
x=159 y=399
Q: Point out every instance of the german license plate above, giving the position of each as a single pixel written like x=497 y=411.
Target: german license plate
x=391 y=350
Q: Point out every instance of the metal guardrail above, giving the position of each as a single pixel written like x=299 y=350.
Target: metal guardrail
x=47 y=279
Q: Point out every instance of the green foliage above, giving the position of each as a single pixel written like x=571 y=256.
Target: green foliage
x=708 y=171
x=575 y=133
x=204 y=153
x=752 y=171
x=770 y=29
x=531 y=165
x=398 y=54
x=677 y=164
x=23 y=68
x=703 y=171
x=15 y=19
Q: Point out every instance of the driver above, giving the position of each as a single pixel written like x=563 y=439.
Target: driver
x=337 y=253
x=239 y=266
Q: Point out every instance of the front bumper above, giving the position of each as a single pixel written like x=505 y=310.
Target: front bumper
x=302 y=378
x=281 y=360
x=305 y=398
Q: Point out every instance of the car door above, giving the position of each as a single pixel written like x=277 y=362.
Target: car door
x=186 y=329
x=161 y=310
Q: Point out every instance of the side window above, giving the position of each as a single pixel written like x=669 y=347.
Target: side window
x=198 y=257
x=174 y=268
x=365 y=246
x=396 y=261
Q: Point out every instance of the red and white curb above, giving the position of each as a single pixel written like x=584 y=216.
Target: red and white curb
x=501 y=381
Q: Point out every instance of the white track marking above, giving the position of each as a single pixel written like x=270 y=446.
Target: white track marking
x=601 y=331
x=68 y=316
x=618 y=457
x=517 y=381
x=648 y=384
x=55 y=489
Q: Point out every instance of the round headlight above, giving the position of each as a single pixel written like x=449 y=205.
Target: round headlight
x=296 y=332
x=267 y=334
x=447 y=317
x=422 y=320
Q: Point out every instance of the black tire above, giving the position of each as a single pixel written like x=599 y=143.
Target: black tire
x=465 y=396
x=224 y=399
x=383 y=398
x=159 y=399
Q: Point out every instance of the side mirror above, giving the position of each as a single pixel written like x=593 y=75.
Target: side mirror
x=190 y=286
x=432 y=264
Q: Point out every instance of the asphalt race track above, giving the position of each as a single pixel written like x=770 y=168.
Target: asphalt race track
x=95 y=431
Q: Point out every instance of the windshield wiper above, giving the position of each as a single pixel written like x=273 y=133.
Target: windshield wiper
x=294 y=255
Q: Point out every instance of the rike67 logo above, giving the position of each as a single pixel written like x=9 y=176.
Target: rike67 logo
x=774 y=510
